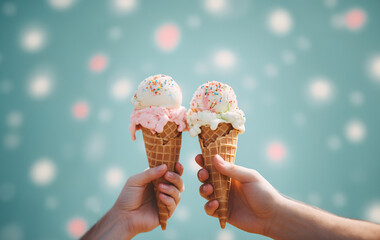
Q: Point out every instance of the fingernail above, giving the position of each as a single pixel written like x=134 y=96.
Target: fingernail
x=204 y=188
x=160 y=168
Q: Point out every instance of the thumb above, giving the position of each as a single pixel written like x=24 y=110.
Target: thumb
x=150 y=174
x=236 y=172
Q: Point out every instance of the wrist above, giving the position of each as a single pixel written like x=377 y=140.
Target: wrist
x=275 y=223
x=122 y=223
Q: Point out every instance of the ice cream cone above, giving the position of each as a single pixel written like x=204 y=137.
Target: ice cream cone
x=222 y=141
x=162 y=148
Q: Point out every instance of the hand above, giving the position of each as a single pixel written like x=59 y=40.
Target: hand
x=253 y=202
x=137 y=202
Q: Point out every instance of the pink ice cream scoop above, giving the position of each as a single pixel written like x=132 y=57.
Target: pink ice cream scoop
x=157 y=101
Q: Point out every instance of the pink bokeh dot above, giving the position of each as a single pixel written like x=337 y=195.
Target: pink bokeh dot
x=276 y=151
x=80 y=110
x=355 y=19
x=76 y=227
x=98 y=63
x=167 y=37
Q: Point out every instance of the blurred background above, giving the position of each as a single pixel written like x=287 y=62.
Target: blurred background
x=306 y=73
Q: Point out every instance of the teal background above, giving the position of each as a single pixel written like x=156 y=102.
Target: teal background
x=341 y=177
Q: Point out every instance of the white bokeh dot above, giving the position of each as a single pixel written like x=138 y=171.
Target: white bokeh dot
x=12 y=141
x=225 y=235
x=9 y=9
x=194 y=21
x=320 y=89
x=114 y=177
x=61 y=4
x=124 y=6
x=372 y=212
x=33 y=39
x=334 y=143
x=11 y=231
x=14 y=119
x=271 y=70
x=95 y=147
x=51 y=202
x=40 y=85
x=339 y=199
x=314 y=198
x=193 y=166
x=182 y=213
x=303 y=43
x=92 y=203
x=355 y=131
x=7 y=191
x=43 y=172
x=224 y=59
x=115 y=33
x=356 y=98
x=249 y=83
x=105 y=115
x=216 y=7
x=288 y=57
x=121 y=89
x=280 y=22
x=331 y=3
x=374 y=68
x=337 y=21
x=299 y=119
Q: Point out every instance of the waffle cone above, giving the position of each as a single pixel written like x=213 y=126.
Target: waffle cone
x=222 y=141
x=162 y=148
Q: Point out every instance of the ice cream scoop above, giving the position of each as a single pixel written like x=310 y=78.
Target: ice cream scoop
x=159 y=90
x=214 y=103
x=157 y=101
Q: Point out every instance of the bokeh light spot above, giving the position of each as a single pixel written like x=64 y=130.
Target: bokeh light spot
x=373 y=212
x=167 y=37
x=114 y=177
x=339 y=199
x=276 y=151
x=356 y=98
x=225 y=235
x=40 y=85
x=280 y=22
x=81 y=110
x=374 y=68
x=43 y=172
x=121 y=89
x=124 y=6
x=320 y=89
x=216 y=6
x=98 y=63
x=11 y=231
x=61 y=4
x=14 y=119
x=355 y=131
x=355 y=19
x=9 y=9
x=33 y=39
x=224 y=59
x=182 y=213
x=76 y=227
x=334 y=143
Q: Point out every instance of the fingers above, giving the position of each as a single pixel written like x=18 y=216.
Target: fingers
x=203 y=175
x=175 y=179
x=199 y=160
x=206 y=190
x=210 y=208
x=171 y=191
x=147 y=176
x=179 y=168
x=239 y=173
x=169 y=202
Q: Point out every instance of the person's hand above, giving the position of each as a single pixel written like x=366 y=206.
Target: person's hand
x=137 y=201
x=253 y=202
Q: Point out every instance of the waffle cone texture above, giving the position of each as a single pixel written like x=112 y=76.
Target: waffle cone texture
x=162 y=148
x=222 y=141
